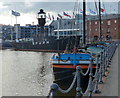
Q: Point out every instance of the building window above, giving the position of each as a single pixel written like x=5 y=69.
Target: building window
x=102 y=22
x=95 y=22
x=102 y=29
x=96 y=29
x=108 y=22
x=115 y=28
x=115 y=21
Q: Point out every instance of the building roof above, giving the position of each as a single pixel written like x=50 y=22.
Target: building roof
x=103 y=17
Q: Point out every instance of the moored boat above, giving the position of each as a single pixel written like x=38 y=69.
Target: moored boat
x=64 y=66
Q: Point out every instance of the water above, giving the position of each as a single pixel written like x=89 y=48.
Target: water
x=25 y=73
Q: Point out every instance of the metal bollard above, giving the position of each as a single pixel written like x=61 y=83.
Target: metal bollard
x=78 y=88
x=111 y=52
x=104 y=57
x=107 y=59
x=96 y=89
x=101 y=65
x=54 y=88
x=91 y=75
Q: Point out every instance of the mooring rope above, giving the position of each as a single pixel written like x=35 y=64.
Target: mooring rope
x=71 y=86
x=84 y=74
x=98 y=74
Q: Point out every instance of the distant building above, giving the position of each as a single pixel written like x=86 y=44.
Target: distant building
x=66 y=24
x=0 y=31
x=5 y=31
x=110 y=27
x=8 y=32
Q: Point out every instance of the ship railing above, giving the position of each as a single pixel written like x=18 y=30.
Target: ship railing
x=94 y=80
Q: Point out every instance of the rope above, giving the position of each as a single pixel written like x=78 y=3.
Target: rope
x=71 y=86
x=96 y=69
x=88 y=88
x=92 y=82
x=96 y=72
x=84 y=74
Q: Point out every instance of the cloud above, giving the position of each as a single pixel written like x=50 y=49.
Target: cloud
x=29 y=4
x=55 y=0
x=34 y=7
x=2 y=5
x=29 y=9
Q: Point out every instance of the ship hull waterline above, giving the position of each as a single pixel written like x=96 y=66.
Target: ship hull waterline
x=64 y=74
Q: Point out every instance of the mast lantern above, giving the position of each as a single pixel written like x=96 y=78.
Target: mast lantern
x=41 y=18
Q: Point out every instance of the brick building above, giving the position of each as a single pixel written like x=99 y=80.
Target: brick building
x=110 y=27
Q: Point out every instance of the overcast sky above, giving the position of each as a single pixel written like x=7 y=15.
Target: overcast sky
x=28 y=9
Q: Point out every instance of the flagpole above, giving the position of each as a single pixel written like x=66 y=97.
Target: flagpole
x=11 y=29
x=16 y=29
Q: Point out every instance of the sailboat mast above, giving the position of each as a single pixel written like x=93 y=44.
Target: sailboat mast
x=100 y=33
x=84 y=22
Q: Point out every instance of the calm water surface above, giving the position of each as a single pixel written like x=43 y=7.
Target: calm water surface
x=25 y=73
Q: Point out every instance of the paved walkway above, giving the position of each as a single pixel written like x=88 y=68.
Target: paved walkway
x=110 y=86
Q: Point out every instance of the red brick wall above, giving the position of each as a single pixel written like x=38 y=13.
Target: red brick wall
x=95 y=28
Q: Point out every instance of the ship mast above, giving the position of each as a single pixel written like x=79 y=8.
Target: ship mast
x=84 y=23
x=100 y=31
x=58 y=30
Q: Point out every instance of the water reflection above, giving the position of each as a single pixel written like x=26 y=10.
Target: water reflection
x=26 y=73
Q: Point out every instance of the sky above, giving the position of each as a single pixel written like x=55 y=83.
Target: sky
x=28 y=9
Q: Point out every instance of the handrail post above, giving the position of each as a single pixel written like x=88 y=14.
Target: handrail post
x=78 y=88
x=96 y=89
x=54 y=88
x=111 y=50
x=91 y=75
x=101 y=65
x=104 y=57
x=107 y=61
